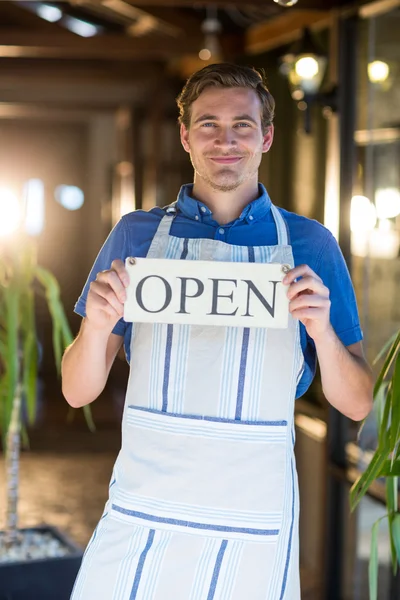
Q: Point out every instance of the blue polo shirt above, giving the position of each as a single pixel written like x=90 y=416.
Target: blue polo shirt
x=312 y=244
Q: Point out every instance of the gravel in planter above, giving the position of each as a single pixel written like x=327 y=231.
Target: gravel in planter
x=32 y=545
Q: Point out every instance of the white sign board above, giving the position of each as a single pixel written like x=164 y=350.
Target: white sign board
x=206 y=293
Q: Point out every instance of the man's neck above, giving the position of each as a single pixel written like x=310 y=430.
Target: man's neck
x=225 y=206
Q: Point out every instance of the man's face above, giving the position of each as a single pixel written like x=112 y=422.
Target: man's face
x=225 y=138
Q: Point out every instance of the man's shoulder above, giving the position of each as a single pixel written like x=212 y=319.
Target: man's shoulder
x=142 y=218
x=306 y=229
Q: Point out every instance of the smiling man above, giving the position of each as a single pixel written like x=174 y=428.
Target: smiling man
x=203 y=501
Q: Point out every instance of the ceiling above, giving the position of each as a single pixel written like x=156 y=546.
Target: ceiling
x=152 y=30
x=136 y=44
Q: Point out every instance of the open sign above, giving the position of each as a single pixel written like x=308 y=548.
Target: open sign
x=206 y=293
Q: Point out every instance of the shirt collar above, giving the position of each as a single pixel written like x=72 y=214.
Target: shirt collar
x=194 y=209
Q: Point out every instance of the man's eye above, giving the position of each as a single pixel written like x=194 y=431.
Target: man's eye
x=243 y=124
x=208 y=124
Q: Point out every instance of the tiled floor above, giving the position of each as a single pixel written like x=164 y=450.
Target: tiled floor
x=64 y=476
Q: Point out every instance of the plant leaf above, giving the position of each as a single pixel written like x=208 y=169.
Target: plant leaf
x=388 y=362
x=89 y=418
x=396 y=535
x=384 y=349
x=391 y=469
x=373 y=563
x=361 y=485
x=395 y=421
x=379 y=403
x=62 y=335
x=391 y=501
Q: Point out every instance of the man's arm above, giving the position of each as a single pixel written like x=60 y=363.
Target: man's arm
x=87 y=361
x=346 y=378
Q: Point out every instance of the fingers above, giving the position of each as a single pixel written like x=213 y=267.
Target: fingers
x=119 y=267
x=305 y=301
x=312 y=283
x=114 y=279
x=310 y=314
x=300 y=271
x=103 y=294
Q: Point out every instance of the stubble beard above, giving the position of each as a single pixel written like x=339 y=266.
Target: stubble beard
x=225 y=186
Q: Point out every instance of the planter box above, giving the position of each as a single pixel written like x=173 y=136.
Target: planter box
x=41 y=579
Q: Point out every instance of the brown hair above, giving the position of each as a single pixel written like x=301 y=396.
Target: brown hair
x=225 y=75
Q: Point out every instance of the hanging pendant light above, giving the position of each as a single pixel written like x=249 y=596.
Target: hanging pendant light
x=211 y=27
x=304 y=65
x=286 y=3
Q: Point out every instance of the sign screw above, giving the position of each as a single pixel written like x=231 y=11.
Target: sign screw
x=131 y=260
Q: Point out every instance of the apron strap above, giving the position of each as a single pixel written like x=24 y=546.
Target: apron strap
x=160 y=240
x=281 y=228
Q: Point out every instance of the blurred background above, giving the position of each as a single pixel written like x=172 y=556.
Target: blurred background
x=88 y=132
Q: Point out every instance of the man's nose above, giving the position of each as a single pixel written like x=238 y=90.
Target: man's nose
x=225 y=137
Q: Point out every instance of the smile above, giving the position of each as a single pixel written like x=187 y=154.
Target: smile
x=226 y=160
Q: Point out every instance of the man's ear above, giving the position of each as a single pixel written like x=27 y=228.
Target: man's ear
x=268 y=138
x=185 y=137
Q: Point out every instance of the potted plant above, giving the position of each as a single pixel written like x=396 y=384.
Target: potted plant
x=40 y=562
x=385 y=461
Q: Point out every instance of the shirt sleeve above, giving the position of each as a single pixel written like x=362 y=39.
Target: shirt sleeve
x=331 y=267
x=336 y=277
x=113 y=248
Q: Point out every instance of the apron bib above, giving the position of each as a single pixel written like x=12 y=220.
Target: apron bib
x=203 y=501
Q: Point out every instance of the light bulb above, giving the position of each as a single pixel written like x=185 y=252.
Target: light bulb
x=378 y=71
x=10 y=212
x=49 y=13
x=34 y=197
x=307 y=67
x=286 y=3
x=82 y=28
x=362 y=215
x=387 y=202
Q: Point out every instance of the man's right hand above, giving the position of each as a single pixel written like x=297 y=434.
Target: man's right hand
x=106 y=297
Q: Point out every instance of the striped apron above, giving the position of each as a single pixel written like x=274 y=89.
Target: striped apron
x=203 y=501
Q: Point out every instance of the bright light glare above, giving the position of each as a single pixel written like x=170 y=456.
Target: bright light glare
x=378 y=71
x=10 y=212
x=286 y=2
x=34 y=203
x=69 y=196
x=307 y=67
x=80 y=27
x=48 y=13
x=205 y=54
x=387 y=202
x=362 y=215
x=384 y=244
x=384 y=225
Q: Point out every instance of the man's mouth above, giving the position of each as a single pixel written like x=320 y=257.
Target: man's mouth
x=225 y=160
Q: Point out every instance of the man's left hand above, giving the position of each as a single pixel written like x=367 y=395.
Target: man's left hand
x=309 y=300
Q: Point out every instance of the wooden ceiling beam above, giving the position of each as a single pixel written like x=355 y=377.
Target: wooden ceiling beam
x=304 y=4
x=29 y=44
x=283 y=29
x=76 y=72
x=134 y=19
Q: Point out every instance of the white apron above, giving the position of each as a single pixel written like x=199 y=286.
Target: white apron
x=203 y=500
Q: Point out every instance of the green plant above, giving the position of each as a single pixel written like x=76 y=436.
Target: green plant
x=386 y=459
x=21 y=278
